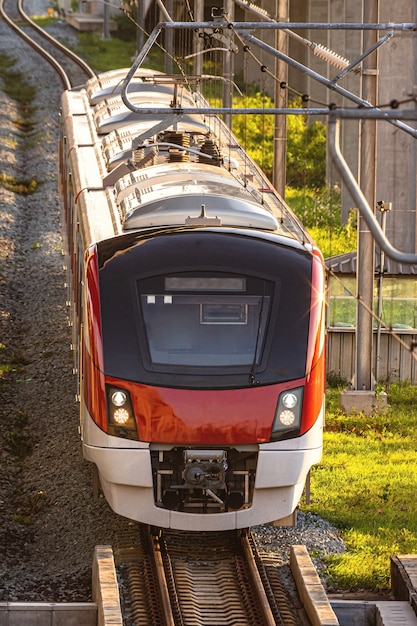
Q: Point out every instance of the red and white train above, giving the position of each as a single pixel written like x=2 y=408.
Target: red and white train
x=197 y=311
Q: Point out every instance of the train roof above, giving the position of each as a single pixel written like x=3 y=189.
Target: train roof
x=112 y=113
x=161 y=196
x=117 y=145
x=108 y=84
x=161 y=166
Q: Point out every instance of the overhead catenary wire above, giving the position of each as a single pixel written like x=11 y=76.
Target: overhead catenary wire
x=318 y=49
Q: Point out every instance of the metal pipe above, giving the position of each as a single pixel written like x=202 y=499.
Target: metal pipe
x=407 y=26
x=384 y=210
x=360 y=200
x=137 y=63
x=363 y=56
x=164 y=11
x=248 y=25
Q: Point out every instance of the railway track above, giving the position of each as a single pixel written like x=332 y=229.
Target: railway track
x=70 y=67
x=176 y=578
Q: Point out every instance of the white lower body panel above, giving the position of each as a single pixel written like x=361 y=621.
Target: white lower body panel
x=282 y=468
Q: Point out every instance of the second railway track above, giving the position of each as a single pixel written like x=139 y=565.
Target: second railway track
x=70 y=67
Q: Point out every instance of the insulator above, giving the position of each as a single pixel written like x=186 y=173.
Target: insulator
x=178 y=156
x=137 y=155
x=180 y=139
x=211 y=149
x=328 y=55
x=140 y=159
x=177 y=137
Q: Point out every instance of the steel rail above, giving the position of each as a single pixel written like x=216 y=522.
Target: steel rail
x=159 y=569
x=69 y=53
x=57 y=67
x=265 y=608
x=40 y=50
x=197 y=570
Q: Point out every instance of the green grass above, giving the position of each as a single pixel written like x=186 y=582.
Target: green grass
x=366 y=486
x=43 y=21
x=319 y=210
x=103 y=55
x=16 y=86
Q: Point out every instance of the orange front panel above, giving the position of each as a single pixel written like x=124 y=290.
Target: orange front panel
x=313 y=394
x=94 y=391
x=204 y=417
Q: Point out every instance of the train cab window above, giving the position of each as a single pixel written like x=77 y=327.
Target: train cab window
x=205 y=321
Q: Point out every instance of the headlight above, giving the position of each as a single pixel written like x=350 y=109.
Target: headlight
x=288 y=412
x=289 y=400
x=121 y=418
x=287 y=417
x=119 y=398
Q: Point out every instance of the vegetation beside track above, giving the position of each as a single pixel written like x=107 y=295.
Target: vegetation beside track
x=366 y=486
x=102 y=54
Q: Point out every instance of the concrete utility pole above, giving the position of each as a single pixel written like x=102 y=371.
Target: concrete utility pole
x=169 y=43
x=106 y=19
x=140 y=35
x=366 y=244
x=228 y=66
x=281 y=74
x=198 y=42
x=362 y=397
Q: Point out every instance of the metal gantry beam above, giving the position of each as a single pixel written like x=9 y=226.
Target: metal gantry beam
x=242 y=28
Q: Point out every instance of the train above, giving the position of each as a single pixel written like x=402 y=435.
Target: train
x=196 y=306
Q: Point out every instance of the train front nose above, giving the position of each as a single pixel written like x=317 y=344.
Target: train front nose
x=205 y=469
x=209 y=480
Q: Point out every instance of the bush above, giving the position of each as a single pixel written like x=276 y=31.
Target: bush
x=256 y=132
x=306 y=150
x=126 y=28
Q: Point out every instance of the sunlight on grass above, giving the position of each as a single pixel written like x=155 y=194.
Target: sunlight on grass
x=105 y=55
x=320 y=211
x=366 y=486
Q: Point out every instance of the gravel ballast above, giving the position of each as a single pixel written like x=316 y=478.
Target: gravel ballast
x=49 y=520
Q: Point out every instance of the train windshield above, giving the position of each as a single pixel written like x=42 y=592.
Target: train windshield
x=204 y=309
x=205 y=320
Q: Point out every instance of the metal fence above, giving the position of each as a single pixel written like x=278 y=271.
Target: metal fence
x=397 y=355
